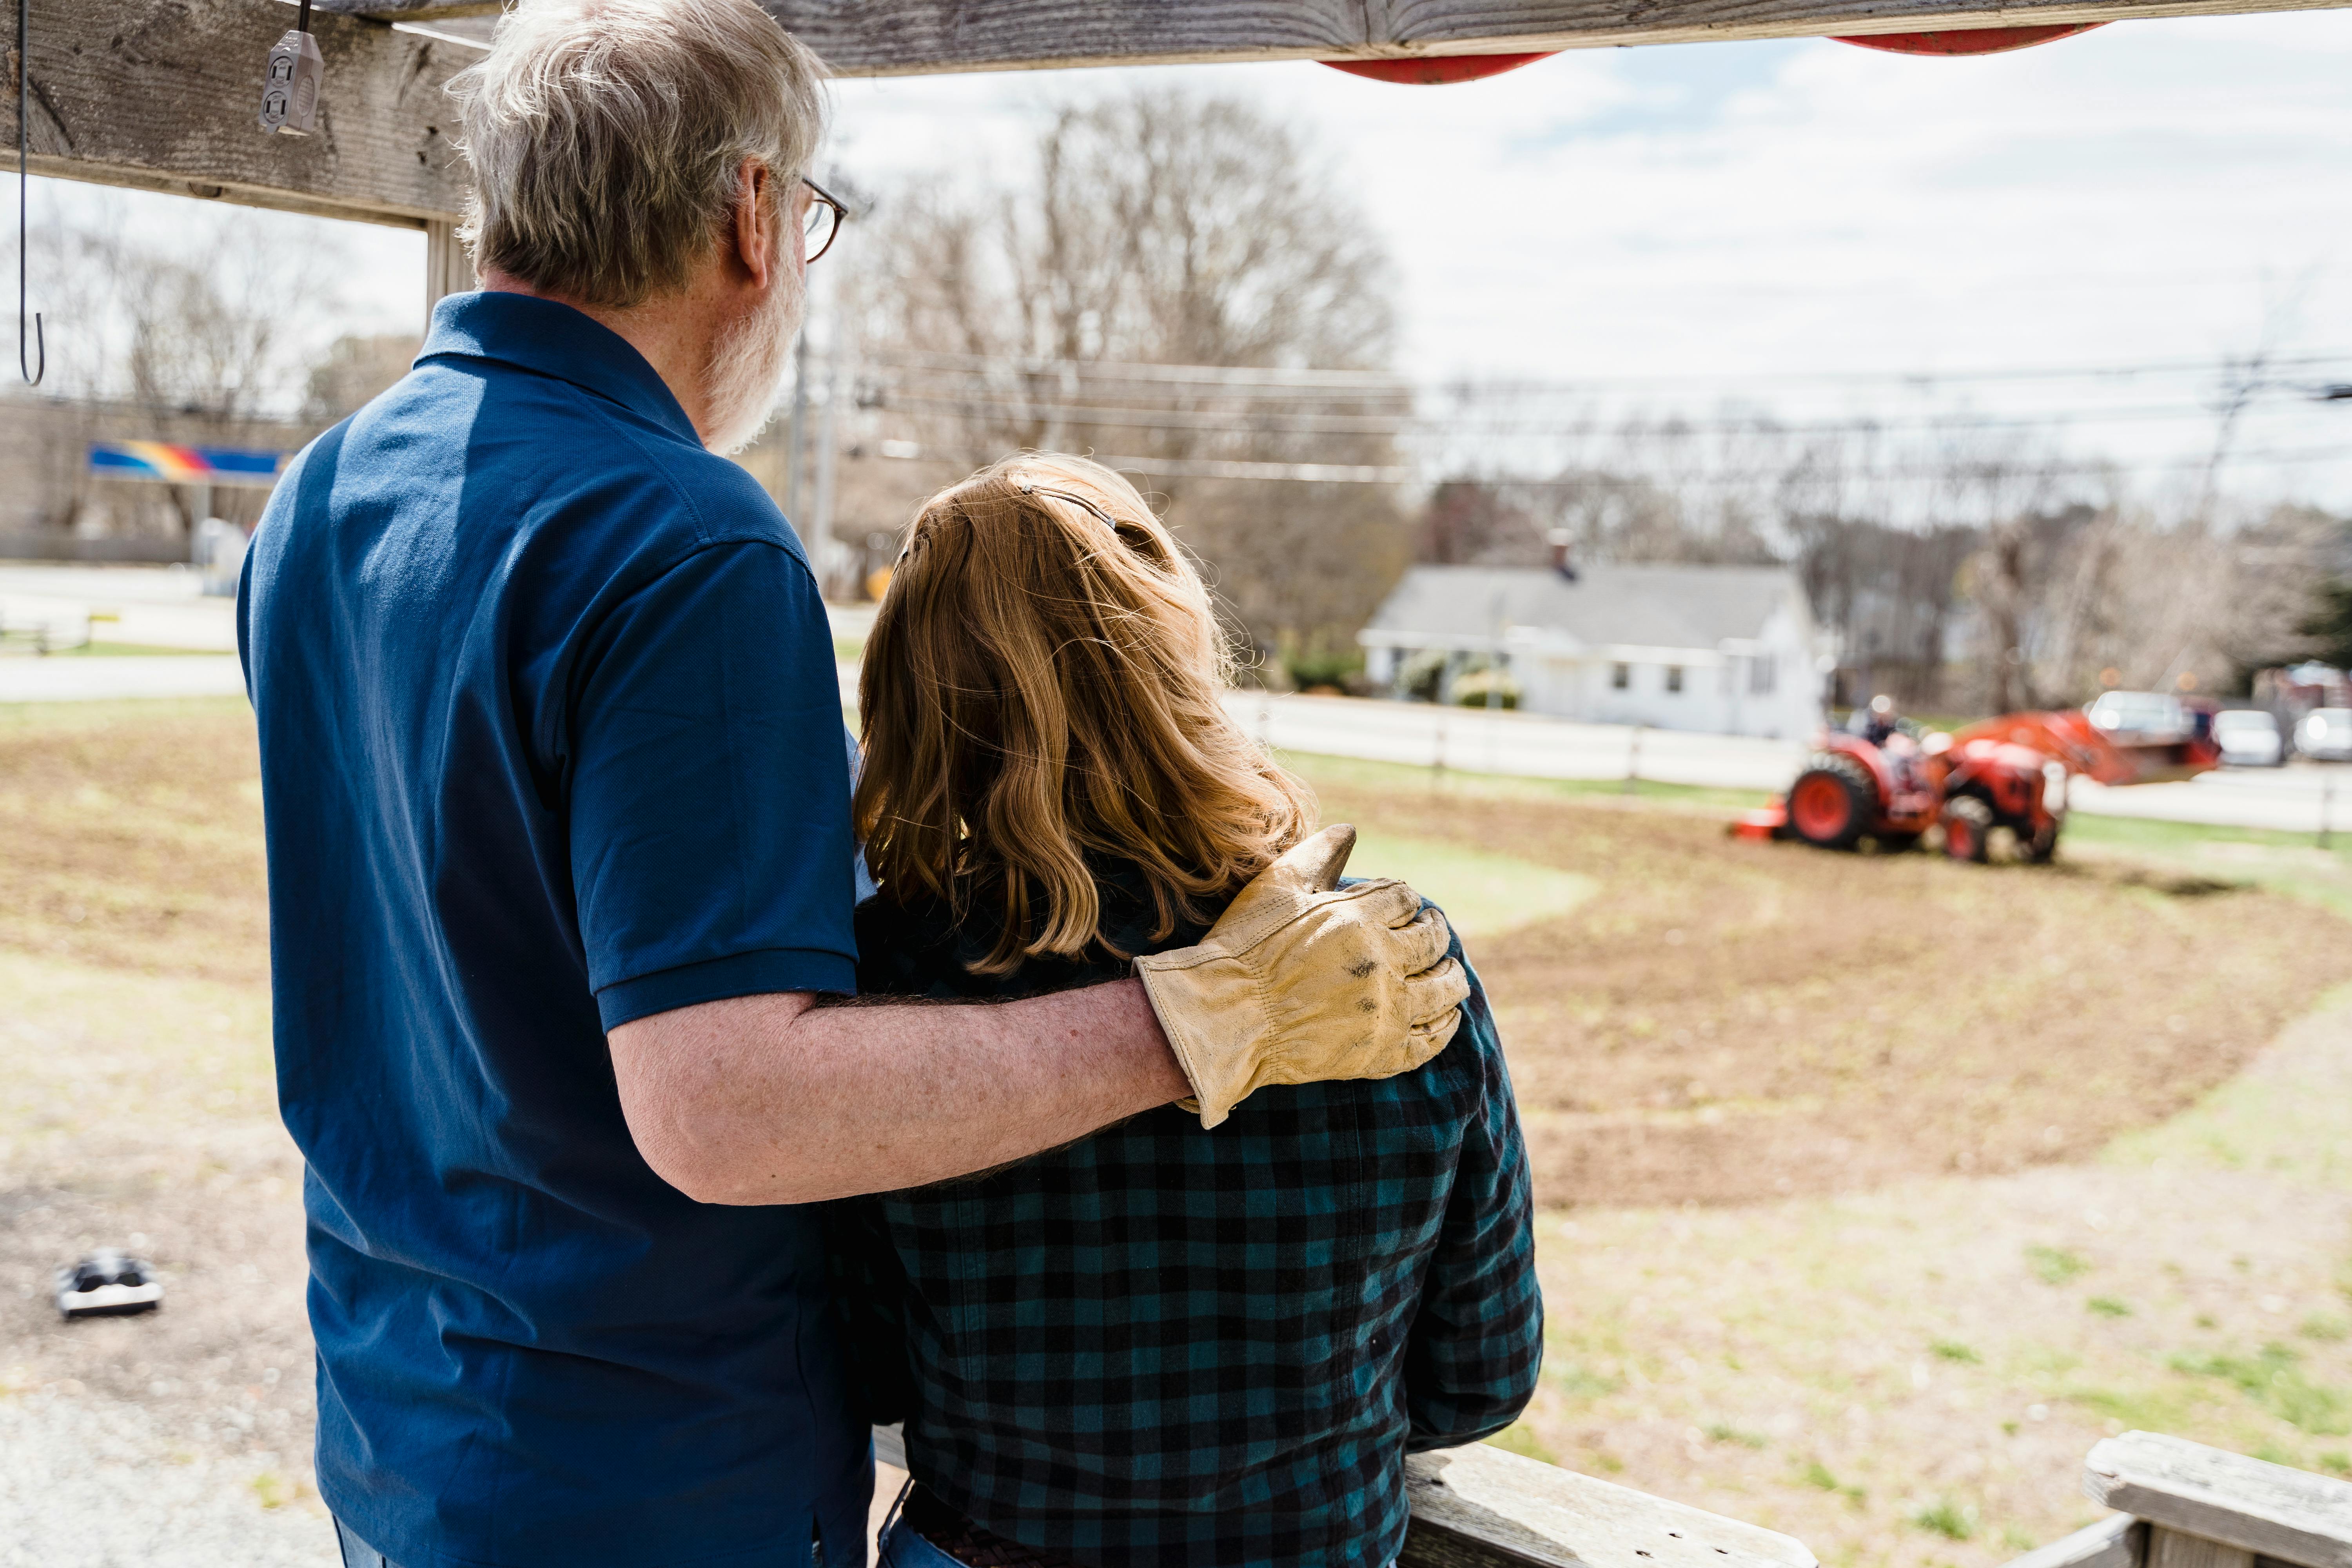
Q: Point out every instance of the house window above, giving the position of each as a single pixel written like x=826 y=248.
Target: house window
x=1674 y=678
x=1761 y=672
x=1620 y=677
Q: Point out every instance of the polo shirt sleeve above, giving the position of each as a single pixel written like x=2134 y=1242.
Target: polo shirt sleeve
x=710 y=842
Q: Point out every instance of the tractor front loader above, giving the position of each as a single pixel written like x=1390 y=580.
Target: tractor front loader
x=1895 y=782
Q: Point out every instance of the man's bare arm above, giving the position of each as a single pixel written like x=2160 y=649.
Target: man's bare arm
x=772 y=1100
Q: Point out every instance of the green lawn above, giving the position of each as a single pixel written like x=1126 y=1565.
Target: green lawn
x=2290 y=863
x=1483 y=894
x=1354 y=773
x=23 y=649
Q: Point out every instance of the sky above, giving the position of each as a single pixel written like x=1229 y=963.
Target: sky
x=1789 y=225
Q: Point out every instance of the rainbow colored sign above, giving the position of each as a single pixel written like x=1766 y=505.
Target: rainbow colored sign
x=166 y=462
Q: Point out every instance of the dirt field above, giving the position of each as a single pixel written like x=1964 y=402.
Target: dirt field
x=1770 y=1090
x=1725 y=1021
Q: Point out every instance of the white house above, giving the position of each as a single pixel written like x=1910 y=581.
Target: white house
x=1728 y=649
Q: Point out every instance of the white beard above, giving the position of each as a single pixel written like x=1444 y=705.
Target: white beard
x=747 y=366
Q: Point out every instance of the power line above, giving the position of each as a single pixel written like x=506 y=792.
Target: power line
x=1348 y=473
x=1295 y=424
x=1277 y=378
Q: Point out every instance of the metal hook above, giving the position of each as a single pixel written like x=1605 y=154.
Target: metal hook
x=24 y=198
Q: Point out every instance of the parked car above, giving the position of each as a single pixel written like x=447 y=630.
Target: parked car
x=2249 y=738
x=2141 y=716
x=2325 y=735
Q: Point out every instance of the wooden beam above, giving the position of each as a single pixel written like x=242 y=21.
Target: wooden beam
x=447 y=269
x=2253 y=1506
x=1478 y=1506
x=414 y=10
x=2119 y=1540
x=163 y=95
x=899 y=37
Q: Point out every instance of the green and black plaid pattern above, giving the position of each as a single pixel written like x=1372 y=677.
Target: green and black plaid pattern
x=1163 y=1346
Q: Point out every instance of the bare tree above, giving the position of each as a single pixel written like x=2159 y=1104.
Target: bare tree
x=202 y=338
x=1172 y=285
x=352 y=372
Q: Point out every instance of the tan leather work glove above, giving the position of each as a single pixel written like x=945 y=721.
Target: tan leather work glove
x=1301 y=982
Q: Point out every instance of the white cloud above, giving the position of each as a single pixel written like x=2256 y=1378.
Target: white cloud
x=2151 y=191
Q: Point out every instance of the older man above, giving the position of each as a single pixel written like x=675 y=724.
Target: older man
x=560 y=864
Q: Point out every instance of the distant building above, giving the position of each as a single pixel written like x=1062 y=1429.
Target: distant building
x=1726 y=649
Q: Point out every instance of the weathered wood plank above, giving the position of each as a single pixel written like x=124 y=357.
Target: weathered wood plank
x=2172 y=1549
x=891 y=37
x=447 y=269
x=2265 y=1509
x=2119 y=1540
x=1479 y=1505
x=162 y=95
x=890 y=1446
x=414 y=10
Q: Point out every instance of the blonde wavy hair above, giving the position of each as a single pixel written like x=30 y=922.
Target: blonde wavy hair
x=1043 y=684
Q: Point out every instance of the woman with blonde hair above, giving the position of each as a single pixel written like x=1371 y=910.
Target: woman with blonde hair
x=1192 y=1339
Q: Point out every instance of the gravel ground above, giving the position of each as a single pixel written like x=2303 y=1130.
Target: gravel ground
x=101 y=1483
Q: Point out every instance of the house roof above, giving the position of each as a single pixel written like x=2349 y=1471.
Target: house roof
x=1646 y=606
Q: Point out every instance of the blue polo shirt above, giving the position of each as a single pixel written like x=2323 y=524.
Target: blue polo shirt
x=550 y=739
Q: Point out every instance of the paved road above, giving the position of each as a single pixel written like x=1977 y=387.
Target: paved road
x=2296 y=798
x=164 y=607
x=151 y=607
x=77 y=678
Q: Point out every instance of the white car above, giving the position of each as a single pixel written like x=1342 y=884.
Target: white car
x=2140 y=716
x=2325 y=735
x=2249 y=738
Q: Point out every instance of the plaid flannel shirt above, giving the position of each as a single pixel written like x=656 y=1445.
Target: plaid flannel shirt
x=1161 y=1345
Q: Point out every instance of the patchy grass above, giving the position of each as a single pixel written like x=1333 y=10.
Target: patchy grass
x=2274 y=1377
x=1355 y=774
x=1724 y=1021
x=131 y=837
x=2289 y=863
x=118 y=650
x=1952 y=1520
x=1520 y=1438
x=2054 y=1265
x=1483 y=894
x=1991 y=1093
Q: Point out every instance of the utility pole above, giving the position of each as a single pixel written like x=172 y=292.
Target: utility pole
x=822 y=548
x=796 y=485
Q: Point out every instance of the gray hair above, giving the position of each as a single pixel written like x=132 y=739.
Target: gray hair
x=607 y=137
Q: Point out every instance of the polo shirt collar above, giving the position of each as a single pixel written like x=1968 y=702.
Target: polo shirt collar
x=555 y=339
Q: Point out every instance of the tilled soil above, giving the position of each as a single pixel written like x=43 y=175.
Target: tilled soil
x=1725 y=1021
x=1720 y=1023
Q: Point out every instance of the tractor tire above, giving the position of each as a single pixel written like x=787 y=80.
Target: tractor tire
x=1833 y=802
x=1968 y=829
x=2040 y=849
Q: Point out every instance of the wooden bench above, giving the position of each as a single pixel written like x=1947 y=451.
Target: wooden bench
x=1477 y=1506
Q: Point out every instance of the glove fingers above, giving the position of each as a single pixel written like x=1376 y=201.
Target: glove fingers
x=1422 y=940
x=1433 y=993
x=1427 y=1039
x=1388 y=901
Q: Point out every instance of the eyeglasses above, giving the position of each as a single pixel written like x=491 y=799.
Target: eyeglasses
x=821 y=226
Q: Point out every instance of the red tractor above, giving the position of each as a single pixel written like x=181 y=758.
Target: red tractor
x=1894 y=782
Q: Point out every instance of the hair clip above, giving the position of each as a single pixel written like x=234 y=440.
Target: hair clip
x=1106 y=518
